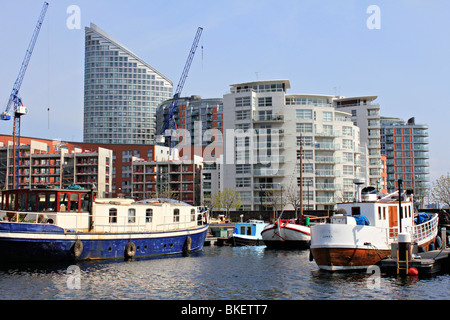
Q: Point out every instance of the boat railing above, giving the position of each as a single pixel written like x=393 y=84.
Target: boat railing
x=80 y=221
x=27 y=217
x=425 y=231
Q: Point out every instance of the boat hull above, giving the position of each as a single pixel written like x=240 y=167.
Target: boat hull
x=241 y=241
x=286 y=236
x=342 y=259
x=57 y=245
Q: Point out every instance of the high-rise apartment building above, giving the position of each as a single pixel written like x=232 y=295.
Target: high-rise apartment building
x=121 y=92
x=194 y=114
x=365 y=113
x=405 y=145
x=264 y=128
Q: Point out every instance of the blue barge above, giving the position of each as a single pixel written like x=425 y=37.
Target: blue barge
x=64 y=224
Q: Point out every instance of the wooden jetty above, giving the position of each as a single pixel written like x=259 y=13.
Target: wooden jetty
x=219 y=234
x=215 y=241
x=426 y=263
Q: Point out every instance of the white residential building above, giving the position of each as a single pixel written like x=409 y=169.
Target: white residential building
x=366 y=115
x=263 y=128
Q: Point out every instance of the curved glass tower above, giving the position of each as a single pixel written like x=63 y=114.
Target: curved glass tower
x=121 y=92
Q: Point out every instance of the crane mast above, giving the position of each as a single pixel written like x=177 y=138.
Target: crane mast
x=15 y=102
x=169 y=124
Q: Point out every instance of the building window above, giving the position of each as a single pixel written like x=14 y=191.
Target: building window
x=265 y=102
x=327 y=116
x=303 y=114
x=243 y=182
x=243 y=102
x=113 y=215
x=304 y=127
x=243 y=168
x=243 y=115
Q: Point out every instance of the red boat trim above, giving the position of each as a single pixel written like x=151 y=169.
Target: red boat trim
x=283 y=226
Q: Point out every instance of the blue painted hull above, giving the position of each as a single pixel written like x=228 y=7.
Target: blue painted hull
x=26 y=243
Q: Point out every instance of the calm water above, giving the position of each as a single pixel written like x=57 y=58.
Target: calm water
x=231 y=273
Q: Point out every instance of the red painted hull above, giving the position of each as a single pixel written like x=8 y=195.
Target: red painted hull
x=347 y=258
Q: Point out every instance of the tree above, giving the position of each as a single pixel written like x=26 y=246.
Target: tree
x=274 y=199
x=293 y=198
x=227 y=199
x=440 y=189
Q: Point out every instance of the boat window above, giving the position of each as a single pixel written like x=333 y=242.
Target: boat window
x=176 y=215
x=84 y=204
x=41 y=202
x=242 y=229
x=51 y=204
x=11 y=201
x=131 y=215
x=356 y=211
x=192 y=214
x=148 y=215
x=74 y=201
x=379 y=213
x=249 y=231
x=63 y=201
x=32 y=202
x=22 y=202
x=113 y=215
x=384 y=213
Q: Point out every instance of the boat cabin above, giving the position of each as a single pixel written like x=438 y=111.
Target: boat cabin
x=46 y=200
x=382 y=213
x=73 y=210
x=251 y=228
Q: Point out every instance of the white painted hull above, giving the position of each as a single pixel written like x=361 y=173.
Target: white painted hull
x=286 y=235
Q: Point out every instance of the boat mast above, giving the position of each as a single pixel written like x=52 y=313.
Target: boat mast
x=301 y=178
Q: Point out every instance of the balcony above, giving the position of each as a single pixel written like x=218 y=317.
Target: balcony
x=327 y=134
x=328 y=173
x=269 y=118
x=327 y=146
x=327 y=186
x=327 y=160
x=268 y=172
x=325 y=200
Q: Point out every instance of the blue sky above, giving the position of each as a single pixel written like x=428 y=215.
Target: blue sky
x=321 y=46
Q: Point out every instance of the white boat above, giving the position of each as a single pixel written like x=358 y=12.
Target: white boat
x=71 y=224
x=286 y=234
x=364 y=231
x=248 y=233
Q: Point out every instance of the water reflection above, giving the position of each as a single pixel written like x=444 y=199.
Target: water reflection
x=233 y=273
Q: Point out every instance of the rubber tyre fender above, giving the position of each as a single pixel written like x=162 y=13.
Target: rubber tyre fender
x=77 y=248
x=130 y=250
x=188 y=243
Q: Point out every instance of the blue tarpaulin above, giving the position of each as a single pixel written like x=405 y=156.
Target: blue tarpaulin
x=421 y=218
x=361 y=220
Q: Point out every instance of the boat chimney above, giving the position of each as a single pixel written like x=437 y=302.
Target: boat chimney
x=359 y=183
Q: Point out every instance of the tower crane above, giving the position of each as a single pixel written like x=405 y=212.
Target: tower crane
x=169 y=124
x=15 y=102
